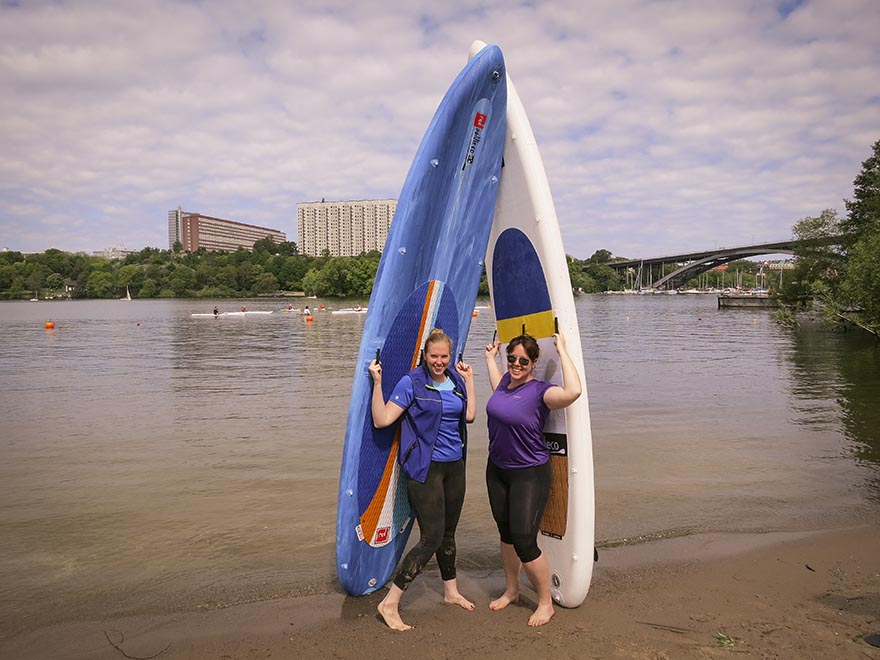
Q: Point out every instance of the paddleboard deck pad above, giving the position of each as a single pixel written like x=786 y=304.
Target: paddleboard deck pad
x=428 y=277
x=531 y=292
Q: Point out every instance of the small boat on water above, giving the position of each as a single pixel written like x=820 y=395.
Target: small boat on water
x=350 y=310
x=127 y=295
x=245 y=313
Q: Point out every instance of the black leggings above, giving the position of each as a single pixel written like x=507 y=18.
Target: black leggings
x=437 y=504
x=518 y=498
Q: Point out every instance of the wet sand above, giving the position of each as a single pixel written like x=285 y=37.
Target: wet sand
x=777 y=595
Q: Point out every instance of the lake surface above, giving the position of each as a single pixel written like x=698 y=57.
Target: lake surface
x=151 y=460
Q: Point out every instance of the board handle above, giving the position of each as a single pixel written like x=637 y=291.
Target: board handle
x=556 y=325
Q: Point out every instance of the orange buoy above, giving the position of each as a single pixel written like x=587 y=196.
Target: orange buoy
x=309 y=319
x=49 y=325
x=474 y=315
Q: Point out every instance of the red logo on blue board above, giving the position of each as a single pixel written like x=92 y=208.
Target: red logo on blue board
x=382 y=534
x=480 y=120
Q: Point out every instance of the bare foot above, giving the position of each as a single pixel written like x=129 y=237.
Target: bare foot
x=461 y=601
x=391 y=616
x=503 y=601
x=541 y=615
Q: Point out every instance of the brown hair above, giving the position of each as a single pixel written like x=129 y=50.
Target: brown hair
x=530 y=346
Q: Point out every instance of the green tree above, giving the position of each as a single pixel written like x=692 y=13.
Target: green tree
x=100 y=284
x=37 y=278
x=600 y=257
x=312 y=283
x=182 y=281
x=266 y=245
x=130 y=276
x=336 y=276
x=7 y=274
x=817 y=261
x=605 y=278
x=580 y=281
x=287 y=249
x=11 y=257
x=55 y=282
x=265 y=283
x=861 y=287
x=362 y=275
x=863 y=211
x=837 y=263
x=245 y=274
x=150 y=289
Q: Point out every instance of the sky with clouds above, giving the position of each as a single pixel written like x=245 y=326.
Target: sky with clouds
x=664 y=125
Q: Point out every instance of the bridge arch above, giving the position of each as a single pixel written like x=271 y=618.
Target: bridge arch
x=700 y=266
x=695 y=263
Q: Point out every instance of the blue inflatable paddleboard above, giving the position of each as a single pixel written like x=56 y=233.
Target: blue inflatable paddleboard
x=428 y=277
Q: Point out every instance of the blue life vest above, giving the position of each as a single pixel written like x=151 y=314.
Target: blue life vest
x=421 y=423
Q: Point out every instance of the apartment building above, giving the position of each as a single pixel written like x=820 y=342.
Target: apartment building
x=195 y=231
x=343 y=228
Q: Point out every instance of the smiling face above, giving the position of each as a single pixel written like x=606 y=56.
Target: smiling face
x=521 y=367
x=437 y=355
x=522 y=356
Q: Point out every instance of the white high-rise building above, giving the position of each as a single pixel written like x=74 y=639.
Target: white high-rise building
x=344 y=229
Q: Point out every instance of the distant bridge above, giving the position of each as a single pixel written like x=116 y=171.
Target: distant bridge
x=695 y=263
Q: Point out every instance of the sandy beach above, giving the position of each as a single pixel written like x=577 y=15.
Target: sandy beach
x=775 y=595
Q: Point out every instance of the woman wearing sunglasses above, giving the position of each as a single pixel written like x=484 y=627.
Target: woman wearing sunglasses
x=518 y=472
x=436 y=404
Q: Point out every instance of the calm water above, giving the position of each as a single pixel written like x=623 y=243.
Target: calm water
x=151 y=460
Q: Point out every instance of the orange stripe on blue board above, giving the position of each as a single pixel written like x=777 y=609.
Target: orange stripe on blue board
x=370 y=518
x=429 y=316
x=382 y=503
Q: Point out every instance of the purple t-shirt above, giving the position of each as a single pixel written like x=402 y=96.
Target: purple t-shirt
x=516 y=424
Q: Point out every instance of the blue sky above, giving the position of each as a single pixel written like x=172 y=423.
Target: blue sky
x=664 y=126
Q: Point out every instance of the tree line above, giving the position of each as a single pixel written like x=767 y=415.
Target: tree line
x=837 y=266
x=269 y=268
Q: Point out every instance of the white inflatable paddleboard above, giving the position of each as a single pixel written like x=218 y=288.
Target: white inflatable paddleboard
x=531 y=289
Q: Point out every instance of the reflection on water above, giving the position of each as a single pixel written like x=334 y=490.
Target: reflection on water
x=839 y=388
x=154 y=460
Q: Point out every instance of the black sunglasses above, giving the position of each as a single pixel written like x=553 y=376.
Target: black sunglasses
x=523 y=362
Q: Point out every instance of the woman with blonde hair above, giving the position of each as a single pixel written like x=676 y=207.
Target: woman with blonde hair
x=435 y=404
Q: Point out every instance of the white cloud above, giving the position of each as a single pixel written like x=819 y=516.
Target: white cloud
x=664 y=125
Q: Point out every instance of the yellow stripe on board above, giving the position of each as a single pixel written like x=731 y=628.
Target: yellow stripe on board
x=539 y=325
